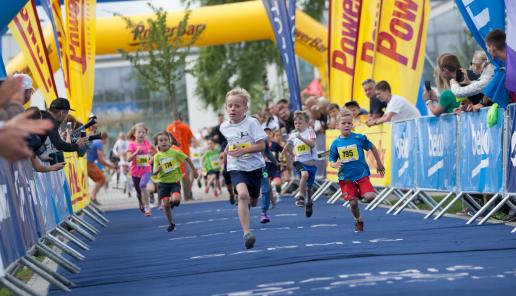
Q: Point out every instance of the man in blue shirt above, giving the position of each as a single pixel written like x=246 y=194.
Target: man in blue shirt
x=347 y=155
x=95 y=154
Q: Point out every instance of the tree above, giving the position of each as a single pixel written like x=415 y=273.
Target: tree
x=220 y=68
x=160 y=60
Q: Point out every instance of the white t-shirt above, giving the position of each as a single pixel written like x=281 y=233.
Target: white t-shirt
x=120 y=147
x=401 y=108
x=244 y=134
x=303 y=152
x=273 y=123
x=196 y=155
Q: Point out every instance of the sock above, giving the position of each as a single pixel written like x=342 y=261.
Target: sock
x=278 y=189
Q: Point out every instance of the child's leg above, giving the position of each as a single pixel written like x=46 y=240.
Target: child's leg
x=302 y=182
x=355 y=211
x=243 y=206
x=369 y=197
x=136 y=183
x=168 y=211
x=143 y=187
x=312 y=170
x=266 y=190
x=176 y=199
x=217 y=183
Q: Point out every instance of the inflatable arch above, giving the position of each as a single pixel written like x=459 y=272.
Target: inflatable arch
x=227 y=23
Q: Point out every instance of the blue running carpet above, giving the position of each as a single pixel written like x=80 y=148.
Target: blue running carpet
x=293 y=255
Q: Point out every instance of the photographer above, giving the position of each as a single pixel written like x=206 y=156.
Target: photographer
x=57 y=113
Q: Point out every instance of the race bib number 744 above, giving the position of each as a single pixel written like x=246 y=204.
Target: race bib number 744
x=348 y=153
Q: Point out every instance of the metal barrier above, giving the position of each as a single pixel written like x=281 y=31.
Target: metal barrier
x=35 y=217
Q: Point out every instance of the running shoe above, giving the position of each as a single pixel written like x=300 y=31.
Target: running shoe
x=300 y=201
x=264 y=218
x=216 y=193
x=309 y=210
x=152 y=199
x=207 y=189
x=249 y=240
x=147 y=212
x=160 y=208
x=171 y=227
x=199 y=183
x=232 y=199
x=96 y=202
x=359 y=226
x=142 y=208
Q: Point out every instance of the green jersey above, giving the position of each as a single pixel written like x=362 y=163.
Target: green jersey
x=211 y=161
x=170 y=162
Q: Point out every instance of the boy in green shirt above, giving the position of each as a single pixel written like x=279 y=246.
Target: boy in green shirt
x=211 y=165
x=167 y=168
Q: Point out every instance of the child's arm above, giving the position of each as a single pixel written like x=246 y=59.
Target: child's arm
x=259 y=146
x=130 y=155
x=379 y=165
x=285 y=153
x=308 y=142
x=190 y=163
x=334 y=157
x=156 y=167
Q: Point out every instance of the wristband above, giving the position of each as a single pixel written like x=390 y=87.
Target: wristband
x=428 y=102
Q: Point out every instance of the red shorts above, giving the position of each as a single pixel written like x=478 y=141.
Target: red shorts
x=358 y=188
x=95 y=173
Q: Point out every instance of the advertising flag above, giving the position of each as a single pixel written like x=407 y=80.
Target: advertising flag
x=26 y=30
x=81 y=34
x=281 y=22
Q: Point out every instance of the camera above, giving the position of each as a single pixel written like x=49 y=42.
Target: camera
x=81 y=131
x=56 y=157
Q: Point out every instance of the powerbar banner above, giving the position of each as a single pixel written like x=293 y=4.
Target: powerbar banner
x=281 y=24
x=80 y=33
x=383 y=40
x=26 y=30
x=77 y=176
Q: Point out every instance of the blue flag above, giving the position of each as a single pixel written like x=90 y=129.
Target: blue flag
x=9 y=10
x=481 y=17
x=48 y=10
x=281 y=25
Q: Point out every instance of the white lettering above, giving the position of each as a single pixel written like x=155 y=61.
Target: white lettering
x=4 y=207
x=402 y=146
x=513 y=149
x=481 y=19
x=480 y=141
x=436 y=142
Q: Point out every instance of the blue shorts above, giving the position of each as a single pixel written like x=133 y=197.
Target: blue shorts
x=272 y=170
x=252 y=179
x=311 y=169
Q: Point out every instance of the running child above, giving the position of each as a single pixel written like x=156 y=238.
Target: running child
x=347 y=155
x=167 y=169
x=139 y=153
x=211 y=165
x=246 y=142
x=302 y=142
x=270 y=171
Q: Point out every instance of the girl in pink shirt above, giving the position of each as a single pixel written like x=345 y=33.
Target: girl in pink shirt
x=139 y=154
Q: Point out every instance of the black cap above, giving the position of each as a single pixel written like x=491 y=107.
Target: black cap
x=60 y=104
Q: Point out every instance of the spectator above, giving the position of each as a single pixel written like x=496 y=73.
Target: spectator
x=215 y=133
x=333 y=111
x=118 y=153
x=398 y=108
x=447 y=102
x=497 y=48
x=450 y=69
x=286 y=118
x=355 y=109
x=376 y=107
x=272 y=121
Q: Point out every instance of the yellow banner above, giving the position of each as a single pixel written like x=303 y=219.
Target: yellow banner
x=401 y=45
x=26 y=30
x=63 y=44
x=380 y=136
x=76 y=171
x=344 y=27
x=364 y=68
x=81 y=29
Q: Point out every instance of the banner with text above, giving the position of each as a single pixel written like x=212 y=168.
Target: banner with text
x=331 y=173
x=381 y=137
x=77 y=175
x=81 y=34
x=480 y=153
x=510 y=180
x=437 y=153
x=404 y=154
x=26 y=30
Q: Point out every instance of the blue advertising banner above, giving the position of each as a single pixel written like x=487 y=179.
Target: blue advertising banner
x=437 y=153
x=44 y=195
x=62 y=198
x=9 y=10
x=281 y=23
x=403 y=161
x=510 y=180
x=11 y=246
x=480 y=153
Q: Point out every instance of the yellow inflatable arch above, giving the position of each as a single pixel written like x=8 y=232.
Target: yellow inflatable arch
x=227 y=23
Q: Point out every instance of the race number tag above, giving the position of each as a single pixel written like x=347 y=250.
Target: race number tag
x=302 y=149
x=215 y=162
x=168 y=165
x=348 y=153
x=142 y=160
x=241 y=146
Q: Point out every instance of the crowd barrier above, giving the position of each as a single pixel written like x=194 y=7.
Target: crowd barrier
x=458 y=155
x=37 y=211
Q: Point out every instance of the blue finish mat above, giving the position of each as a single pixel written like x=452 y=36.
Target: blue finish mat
x=205 y=255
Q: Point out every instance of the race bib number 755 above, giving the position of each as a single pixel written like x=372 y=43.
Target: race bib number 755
x=348 y=153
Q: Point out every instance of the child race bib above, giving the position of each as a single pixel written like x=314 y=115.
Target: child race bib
x=142 y=160
x=348 y=153
x=168 y=165
x=302 y=149
x=215 y=162
x=241 y=146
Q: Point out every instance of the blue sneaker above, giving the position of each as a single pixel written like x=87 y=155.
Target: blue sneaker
x=264 y=218
x=249 y=240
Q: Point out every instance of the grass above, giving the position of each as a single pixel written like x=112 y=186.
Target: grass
x=24 y=275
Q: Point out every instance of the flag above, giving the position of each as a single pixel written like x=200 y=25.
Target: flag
x=280 y=22
x=510 y=79
x=26 y=30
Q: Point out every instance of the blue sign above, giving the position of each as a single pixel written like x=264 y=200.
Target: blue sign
x=9 y=10
x=403 y=154
x=510 y=180
x=437 y=153
x=480 y=153
x=281 y=25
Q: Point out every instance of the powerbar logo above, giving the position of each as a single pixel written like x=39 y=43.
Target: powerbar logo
x=436 y=149
x=141 y=32
x=402 y=153
x=480 y=148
